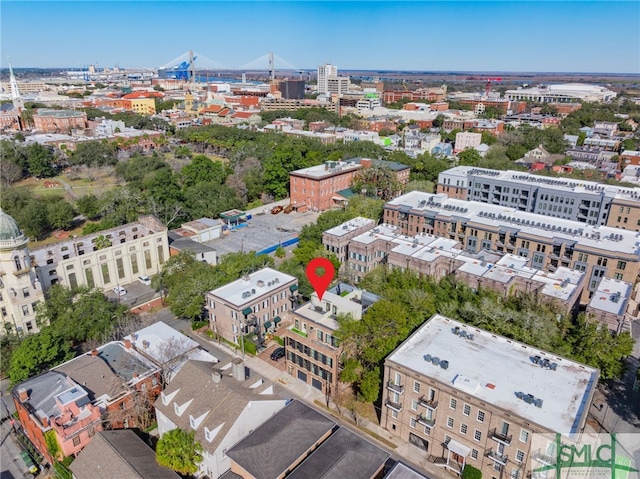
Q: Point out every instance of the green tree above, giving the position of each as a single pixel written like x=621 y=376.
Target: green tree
x=59 y=213
x=470 y=472
x=38 y=353
x=376 y=182
x=203 y=170
x=469 y=157
x=178 y=450
x=89 y=206
x=33 y=219
x=94 y=153
x=40 y=160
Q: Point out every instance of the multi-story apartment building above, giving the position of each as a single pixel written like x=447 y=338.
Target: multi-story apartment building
x=20 y=289
x=105 y=259
x=599 y=251
x=59 y=121
x=474 y=397
x=428 y=255
x=575 y=200
x=337 y=239
x=255 y=303
x=311 y=347
x=611 y=304
x=466 y=140
x=52 y=404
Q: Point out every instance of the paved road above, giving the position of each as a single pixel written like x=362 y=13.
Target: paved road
x=11 y=464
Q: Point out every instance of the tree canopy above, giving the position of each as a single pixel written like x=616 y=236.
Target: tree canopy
x=178 y=450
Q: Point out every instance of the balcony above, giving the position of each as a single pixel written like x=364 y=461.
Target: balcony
x=500 y=437
x=544 y=458
x=396 y=406
x=425 y=421
x=392 y=386
x=498 y=457
x=428 y=403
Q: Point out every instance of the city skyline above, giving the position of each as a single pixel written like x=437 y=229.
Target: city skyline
x=404 y=35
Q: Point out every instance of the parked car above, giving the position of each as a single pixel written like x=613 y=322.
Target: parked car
x=278 y=354
x=144 y=280
x=120 y=291
x=31 y=467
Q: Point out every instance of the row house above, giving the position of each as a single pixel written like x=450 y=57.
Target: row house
x=468 y=396
x=336 y=240
x=437 y=257
x=575 y=200
x=256 y=303
x=599 y=251
x=312 y=350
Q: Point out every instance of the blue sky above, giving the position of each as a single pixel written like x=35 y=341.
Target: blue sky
x=569 y=36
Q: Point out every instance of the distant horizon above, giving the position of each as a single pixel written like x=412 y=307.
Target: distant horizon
x=425 y=36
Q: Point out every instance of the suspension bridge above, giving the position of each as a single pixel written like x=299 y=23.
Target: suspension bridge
x=202 y=62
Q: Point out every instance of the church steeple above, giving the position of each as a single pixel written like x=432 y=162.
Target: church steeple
x=18 y=104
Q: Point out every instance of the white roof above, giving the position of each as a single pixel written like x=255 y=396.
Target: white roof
x=611 y=296
x=322 y=170
x=350 y=226
x=161 y=342
x=269 y=279
x=601 y=237
x=497 y=370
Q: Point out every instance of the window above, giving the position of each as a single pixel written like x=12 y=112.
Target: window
x=416 y=386
x=463 y=428
x=453 y=403
x=497 y=467
x=524 y=436
x=394 y=414
x=76 y=441
x=474 y=454
x=477 y=435
x=25 y=292
x=622 y=265
x=519 y=455
x=617 y=276
x=480 y=416
x=449 y=421
x=414 y=405
x=3 y=311
x=466 y=410
x=412 y=422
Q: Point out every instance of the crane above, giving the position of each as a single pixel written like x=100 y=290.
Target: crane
x=488 y=87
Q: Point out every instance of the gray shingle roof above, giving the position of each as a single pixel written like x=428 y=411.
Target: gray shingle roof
x=120 y=454
x=278 y=443
x=344 y=454
x=222 y=402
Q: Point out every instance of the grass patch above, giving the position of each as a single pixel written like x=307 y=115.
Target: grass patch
x=278 y=340
x=297 y=331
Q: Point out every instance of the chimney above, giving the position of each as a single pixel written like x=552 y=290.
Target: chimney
x=23 y=395
x=237 y=367
x=135 y=375
x=94 y=353
x=45 y=421
x=127 y=344
x=216 y=376
x=366 y=162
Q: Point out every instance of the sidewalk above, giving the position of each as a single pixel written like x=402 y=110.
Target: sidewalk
x=407 y=453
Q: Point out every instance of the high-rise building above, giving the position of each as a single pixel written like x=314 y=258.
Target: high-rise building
x=324 y=72
x=292 y=89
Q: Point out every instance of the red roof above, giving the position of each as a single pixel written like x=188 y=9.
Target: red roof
x=243 y=114
x=143 y=94
x=538 y=166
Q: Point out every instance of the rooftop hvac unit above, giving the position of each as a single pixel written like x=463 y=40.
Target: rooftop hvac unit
x=435 y=360
x=253 y=291
x=427 y=357
x=444 y=364
x=537 y=402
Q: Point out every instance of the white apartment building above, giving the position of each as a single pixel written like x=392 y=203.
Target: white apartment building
x=325 y=71
x=466 y=140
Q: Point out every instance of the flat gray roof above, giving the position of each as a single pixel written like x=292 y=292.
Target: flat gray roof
x=498 y=371
x=611 y=296
x=601 y=237
x=320 y=171
x=270 y=279
x=350 y=226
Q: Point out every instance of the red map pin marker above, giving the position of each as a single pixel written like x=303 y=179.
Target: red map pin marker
x=320 y=283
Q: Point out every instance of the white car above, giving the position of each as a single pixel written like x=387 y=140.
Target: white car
x=144 y=280
x=120 y=291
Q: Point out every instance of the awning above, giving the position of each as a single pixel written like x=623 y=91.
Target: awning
x=247 y=311
x=277 y=319
x=293 y=287
x=267 y=325
x=457 y=448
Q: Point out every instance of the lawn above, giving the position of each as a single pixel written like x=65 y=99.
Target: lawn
x=80 y=183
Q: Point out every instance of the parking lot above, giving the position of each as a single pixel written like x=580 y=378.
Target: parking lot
x=137 y=293
x=263 y=231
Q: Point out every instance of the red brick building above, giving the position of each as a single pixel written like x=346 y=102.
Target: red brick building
x=59 y=121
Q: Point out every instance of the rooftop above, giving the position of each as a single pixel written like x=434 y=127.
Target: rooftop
x=279 y=442
x=329 y=168
x=61 y=113
x=350 y=226
x=401 y=471
x=502 y=372
x=561 y=184
x=611 y=296
x=120 y=454
x=161 y=342
x=510 y=219
x=344 y=454
x=258 y=284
